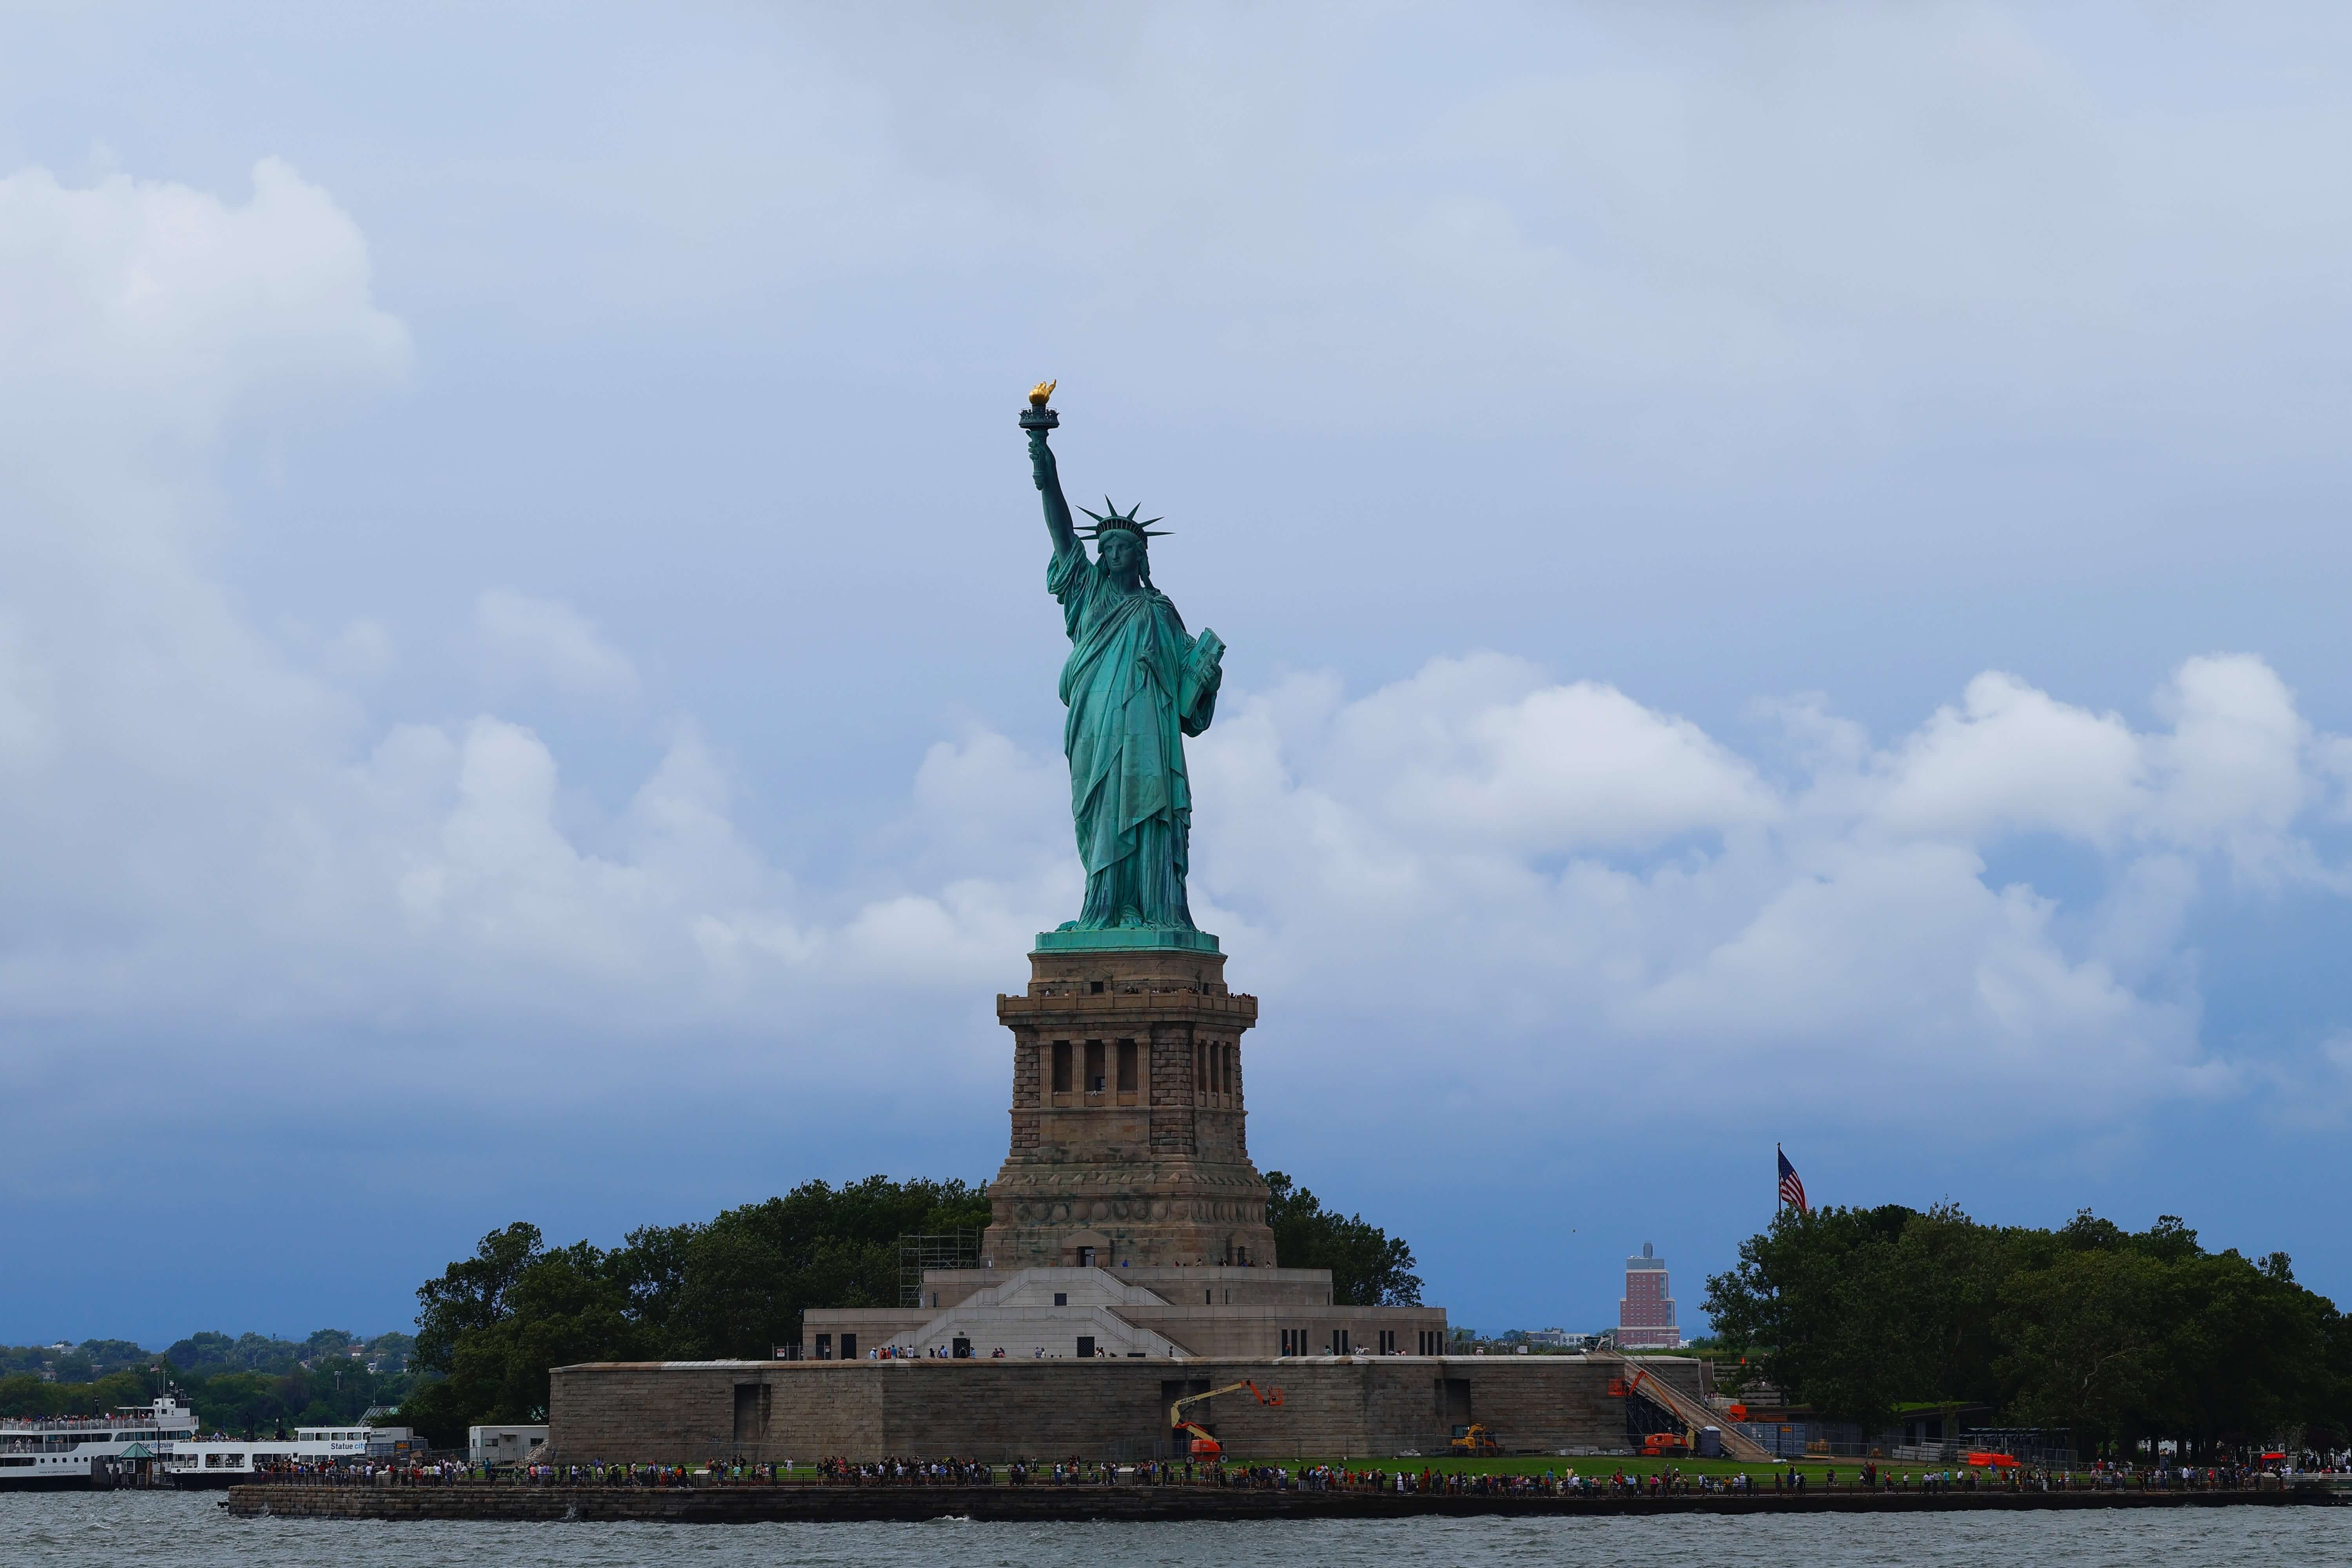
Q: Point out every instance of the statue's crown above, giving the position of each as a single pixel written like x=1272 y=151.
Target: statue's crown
x=1123 y=520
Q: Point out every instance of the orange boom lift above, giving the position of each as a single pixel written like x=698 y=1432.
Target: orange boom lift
x=1204 y=1446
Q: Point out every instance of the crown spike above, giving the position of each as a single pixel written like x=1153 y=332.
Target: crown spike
x=1122 y=521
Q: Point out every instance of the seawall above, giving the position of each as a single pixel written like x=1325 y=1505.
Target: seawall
x=764 y=1412
x=823 y=1504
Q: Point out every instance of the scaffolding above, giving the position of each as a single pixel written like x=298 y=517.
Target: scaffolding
x=942 y=1249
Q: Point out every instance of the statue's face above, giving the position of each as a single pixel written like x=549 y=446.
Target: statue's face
x=1121 y=554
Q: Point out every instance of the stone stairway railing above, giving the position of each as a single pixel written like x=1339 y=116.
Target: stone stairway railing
x=1736 y=1445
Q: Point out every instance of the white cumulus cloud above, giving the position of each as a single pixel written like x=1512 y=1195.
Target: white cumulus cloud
x=1493 y=863
x=552 y=641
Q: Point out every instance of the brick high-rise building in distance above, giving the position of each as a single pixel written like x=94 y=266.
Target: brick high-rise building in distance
x=1646 y=1315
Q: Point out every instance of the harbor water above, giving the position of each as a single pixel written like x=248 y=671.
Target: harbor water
x=192 y=1530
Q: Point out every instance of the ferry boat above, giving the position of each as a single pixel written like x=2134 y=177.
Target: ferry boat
x=75 y=1453
x=227 y=1461
x=206 y=1463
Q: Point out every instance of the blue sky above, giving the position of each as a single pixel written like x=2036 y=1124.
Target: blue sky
x=1782 y=566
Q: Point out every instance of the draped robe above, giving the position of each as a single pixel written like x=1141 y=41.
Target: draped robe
x=1136 y=683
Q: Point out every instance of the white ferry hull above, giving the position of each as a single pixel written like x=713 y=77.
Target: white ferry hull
x=75 y=1475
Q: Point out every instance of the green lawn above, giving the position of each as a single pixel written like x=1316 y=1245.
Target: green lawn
x=1596 y=1466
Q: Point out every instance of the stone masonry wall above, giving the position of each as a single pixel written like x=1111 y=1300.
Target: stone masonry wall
x=656 y=1413
x=1151 y=1171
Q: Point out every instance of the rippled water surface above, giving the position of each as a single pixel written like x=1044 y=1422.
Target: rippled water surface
x=168 y=1530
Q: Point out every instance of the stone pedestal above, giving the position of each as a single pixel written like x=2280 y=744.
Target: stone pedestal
x=1127 y=1119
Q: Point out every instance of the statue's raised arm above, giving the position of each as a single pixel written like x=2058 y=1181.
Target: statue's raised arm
x=1038 y=419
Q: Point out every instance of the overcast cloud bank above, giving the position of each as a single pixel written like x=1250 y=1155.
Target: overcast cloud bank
x=206 y=822
x=435 y=711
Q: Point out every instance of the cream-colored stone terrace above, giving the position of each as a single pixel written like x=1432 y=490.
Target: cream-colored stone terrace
x=1127 y=1312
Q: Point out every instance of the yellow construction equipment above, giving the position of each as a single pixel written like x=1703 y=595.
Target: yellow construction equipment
x=1473 y=1440
x=1204 y=1446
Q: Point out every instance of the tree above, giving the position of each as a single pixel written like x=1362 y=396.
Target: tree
x=471 y=1294
x=491 y=1327
x=738 y=1285
x=2086 y=1341
x=207 y=1348
x=1369 y=1267
x=2113 y=1335
x=493 y=1324
x=1853 y=1310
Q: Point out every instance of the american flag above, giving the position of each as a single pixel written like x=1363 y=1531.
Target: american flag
x=1792 y=1191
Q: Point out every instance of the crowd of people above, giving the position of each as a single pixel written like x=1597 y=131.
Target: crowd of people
x=1318 y=1478
x=282 y=1470
x=910 y=1472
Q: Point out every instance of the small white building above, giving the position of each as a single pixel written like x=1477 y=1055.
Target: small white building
x=502 y=1445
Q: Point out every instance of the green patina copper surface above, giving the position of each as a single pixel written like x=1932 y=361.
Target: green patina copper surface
x=1136 y=684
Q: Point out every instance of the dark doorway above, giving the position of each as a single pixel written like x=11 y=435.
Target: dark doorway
x=1453 y=1401
x=752 y=1406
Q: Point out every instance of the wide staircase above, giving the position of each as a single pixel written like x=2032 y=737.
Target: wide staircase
x=1688 y=1409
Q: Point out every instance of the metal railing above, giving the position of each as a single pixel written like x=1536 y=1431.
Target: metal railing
x=1844 y=1440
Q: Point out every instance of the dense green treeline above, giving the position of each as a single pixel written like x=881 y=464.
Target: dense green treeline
x=73 y=1363
x=24 y=1393
x=236 y=1402
x=250 y=1383
x=260 y=1353
x=94 y=1359
x=1369 y=1267
x=2116 y=1335
x=493 y=1324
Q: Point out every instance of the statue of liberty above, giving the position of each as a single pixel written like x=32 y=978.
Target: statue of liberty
x=1136 y=684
